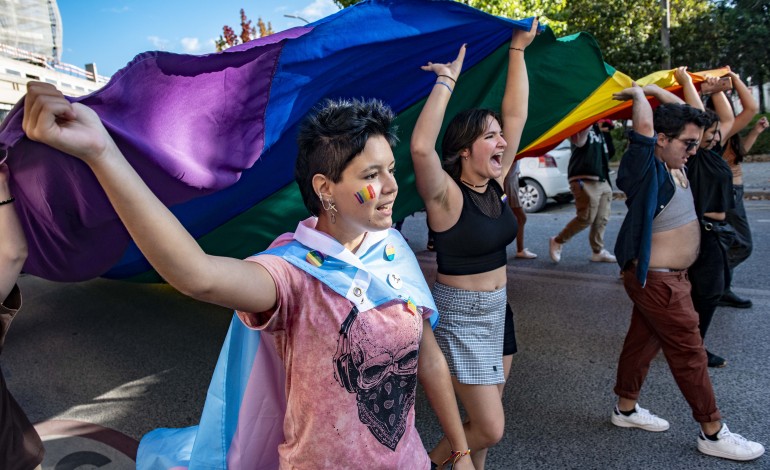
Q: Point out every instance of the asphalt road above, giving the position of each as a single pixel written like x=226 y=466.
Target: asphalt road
x=135 y=357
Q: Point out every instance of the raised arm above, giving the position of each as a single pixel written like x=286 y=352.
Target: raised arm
x=516 y=97
x=724 y=111
x=748 y=103
x=579 y=139
x=433 y=183
x=77 y=130
x=751 y=137
x=13 y=245
x=664 y=96
x=641 y=113
x=691 y=95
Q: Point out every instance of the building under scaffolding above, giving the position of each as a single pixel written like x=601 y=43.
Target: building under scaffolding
x=32 y=25
x=31 y=34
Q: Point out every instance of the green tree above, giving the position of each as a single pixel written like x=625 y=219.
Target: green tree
x=629 y=31
x=734 y=33
x=547 y=10
x=748 y=51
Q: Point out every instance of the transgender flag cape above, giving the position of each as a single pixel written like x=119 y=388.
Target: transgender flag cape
x=248 y=365
x=244 y=434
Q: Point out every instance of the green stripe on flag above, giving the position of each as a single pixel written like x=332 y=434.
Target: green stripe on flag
x=562 y=73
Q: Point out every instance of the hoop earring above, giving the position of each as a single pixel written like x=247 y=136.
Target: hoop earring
x=328 y=206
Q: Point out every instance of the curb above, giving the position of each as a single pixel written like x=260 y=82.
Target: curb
x=747 y=195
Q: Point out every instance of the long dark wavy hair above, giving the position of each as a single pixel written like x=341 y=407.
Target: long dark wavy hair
x=736 y=144
x=460 y=134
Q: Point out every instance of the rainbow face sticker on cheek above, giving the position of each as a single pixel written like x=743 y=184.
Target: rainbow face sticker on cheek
x=365 y=194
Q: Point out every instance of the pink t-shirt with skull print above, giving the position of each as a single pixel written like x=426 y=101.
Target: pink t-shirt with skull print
x=350 y=376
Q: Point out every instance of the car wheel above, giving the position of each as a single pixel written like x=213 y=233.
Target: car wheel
x=532 y=196
x=563 y=198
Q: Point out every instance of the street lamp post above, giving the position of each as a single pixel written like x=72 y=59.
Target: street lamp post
x=297 y=17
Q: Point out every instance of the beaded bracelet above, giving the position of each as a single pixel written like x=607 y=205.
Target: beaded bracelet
x=516 y=48
x=447 y=76
x=455 y=456
x=7 y=201
x=446 y=85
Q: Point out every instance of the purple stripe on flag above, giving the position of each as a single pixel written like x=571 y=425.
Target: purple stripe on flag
x=178 y=119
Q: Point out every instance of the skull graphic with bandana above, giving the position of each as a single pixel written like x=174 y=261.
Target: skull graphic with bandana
x=382 y=370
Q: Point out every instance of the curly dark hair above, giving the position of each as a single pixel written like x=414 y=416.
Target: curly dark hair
x=334 y=133
x=670 y=118
x=460 y=134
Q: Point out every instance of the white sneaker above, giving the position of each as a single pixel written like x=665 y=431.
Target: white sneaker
x=730 y=446
x=603 y=256
x=554 y=249
x=526 y=254
x=641 y=419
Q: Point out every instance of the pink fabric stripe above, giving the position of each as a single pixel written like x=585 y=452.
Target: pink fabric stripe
x=260 y=420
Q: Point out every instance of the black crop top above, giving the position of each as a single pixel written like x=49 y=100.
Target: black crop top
x=477 y=242
x=712 y=182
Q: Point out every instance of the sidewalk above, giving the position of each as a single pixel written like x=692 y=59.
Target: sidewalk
x=756 y=179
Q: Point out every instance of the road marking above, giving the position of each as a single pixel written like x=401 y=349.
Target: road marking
x=71 y=444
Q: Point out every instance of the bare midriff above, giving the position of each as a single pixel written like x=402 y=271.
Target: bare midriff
x=715 y=215
x=489 y=281
x=676 y=248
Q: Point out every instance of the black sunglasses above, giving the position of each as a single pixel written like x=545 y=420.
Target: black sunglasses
x=690 y=144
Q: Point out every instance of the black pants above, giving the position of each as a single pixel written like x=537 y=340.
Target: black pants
x=743 y=245
x=709 y=276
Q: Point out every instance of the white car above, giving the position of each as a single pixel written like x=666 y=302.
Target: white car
x=545 y=177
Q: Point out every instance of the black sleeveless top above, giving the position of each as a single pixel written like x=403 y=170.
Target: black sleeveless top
x=476 y=243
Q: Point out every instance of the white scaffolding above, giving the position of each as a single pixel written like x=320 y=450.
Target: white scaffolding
x=32 y=25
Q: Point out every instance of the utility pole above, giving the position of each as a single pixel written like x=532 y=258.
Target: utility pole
x=665 y=40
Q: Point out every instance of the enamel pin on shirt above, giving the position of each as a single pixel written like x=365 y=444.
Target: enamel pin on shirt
x=411 y=306
x=316 y=258
x=390 y=252
x=395 y=281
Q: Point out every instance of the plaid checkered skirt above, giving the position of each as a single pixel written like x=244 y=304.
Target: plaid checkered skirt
x=470 y=333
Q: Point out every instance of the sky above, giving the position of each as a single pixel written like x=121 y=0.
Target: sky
x=110 y=33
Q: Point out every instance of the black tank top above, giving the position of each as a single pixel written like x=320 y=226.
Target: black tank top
x=476 y=243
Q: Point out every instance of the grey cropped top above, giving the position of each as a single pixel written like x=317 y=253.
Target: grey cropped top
x=679 y=211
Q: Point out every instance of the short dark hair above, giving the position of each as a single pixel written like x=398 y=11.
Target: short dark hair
x=334 y=133
x=670 y=118
x=460 y=134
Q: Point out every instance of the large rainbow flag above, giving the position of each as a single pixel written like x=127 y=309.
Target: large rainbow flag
x=214 y=136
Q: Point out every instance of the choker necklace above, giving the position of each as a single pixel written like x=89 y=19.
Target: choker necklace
x=474 y=185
